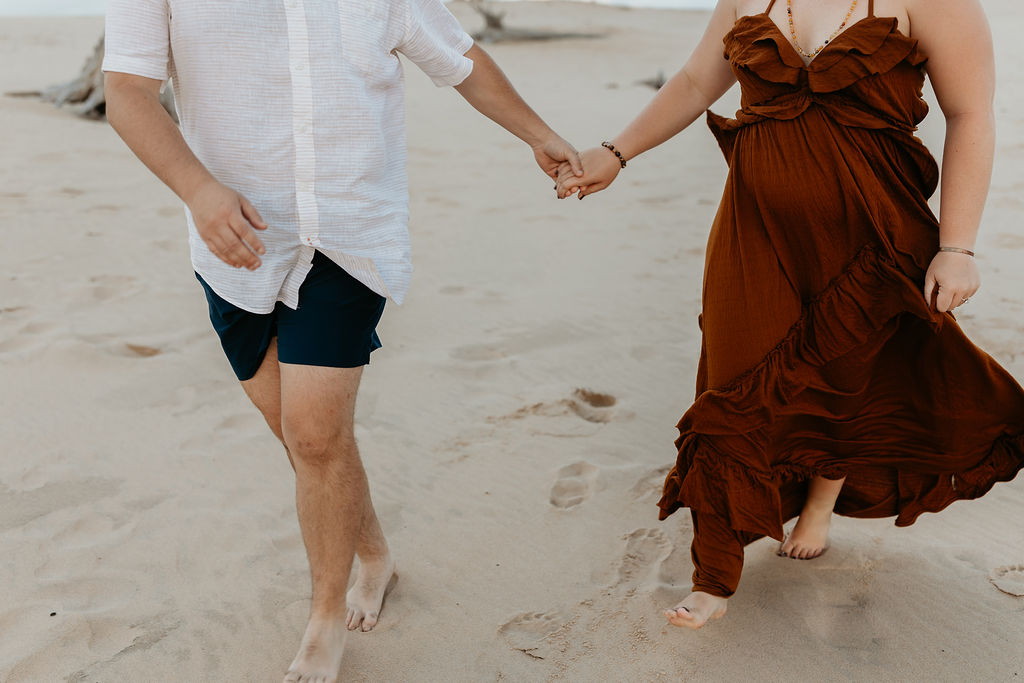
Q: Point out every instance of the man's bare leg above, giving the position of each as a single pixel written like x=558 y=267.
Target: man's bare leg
x=809 y=537
x=332 y=499
x=376 y=575
x=323 y=643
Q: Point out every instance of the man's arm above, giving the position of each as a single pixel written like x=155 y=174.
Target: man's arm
x=224 y=218
x=491 y=93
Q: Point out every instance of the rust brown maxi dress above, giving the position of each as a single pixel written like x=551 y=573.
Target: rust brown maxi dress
x=820 y=355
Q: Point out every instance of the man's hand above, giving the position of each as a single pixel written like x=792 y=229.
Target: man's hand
x=224 y=218
x=491 y=94
x=601 y=169
x=226 y=221
x=555 y=152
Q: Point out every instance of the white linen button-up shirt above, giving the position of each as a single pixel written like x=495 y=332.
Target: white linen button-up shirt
x=299 y=106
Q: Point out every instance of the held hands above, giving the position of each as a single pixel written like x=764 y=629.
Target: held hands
x=601 y=168
x=952 y=278
x=226 y=221
x=555 y=154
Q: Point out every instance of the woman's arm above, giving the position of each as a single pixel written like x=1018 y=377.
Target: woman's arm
x=703 y=79
x=961 y=66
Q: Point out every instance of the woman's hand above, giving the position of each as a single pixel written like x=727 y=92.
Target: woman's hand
x=952 y=278
x=600 y=167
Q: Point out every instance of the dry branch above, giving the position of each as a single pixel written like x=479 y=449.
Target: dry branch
x=84 y=95
x=496 y=32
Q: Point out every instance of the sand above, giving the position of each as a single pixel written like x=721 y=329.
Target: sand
x=147 y=529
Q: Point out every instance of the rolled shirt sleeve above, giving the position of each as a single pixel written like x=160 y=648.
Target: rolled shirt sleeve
x=138 y=38
x=436 y=42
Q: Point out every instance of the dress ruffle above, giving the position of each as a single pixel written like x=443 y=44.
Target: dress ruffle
x=833 y=324
x=859 y=307
x=876 y=41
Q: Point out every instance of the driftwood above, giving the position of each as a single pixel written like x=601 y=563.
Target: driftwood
x=495 y=30
x=84 y=95
x=655 y=82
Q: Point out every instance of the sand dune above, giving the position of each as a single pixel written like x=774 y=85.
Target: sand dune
x=516 y=426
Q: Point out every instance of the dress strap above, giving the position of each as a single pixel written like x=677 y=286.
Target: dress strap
x=871 y=7
x=770 y=5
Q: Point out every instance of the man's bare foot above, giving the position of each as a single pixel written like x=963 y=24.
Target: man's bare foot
x=319 y=657
x=366 y=597
x=695 y=610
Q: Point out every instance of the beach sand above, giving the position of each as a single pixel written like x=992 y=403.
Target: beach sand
x=147 y=525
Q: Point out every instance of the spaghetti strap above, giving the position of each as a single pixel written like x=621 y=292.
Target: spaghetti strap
x=871 y=7
x=770 y=5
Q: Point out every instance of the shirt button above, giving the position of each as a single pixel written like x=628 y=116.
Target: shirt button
x=300 y=67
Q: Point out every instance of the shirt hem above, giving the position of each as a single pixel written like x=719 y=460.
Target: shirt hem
x=134 y=67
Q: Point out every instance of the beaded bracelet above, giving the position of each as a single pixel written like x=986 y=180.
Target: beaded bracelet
x=610 y=146
x=958 y=250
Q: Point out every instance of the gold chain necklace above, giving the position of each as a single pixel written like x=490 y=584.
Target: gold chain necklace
x=796 y=43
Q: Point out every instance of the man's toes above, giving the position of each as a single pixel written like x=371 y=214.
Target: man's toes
x=292 y=677
x=369 y=621
x=355 y=620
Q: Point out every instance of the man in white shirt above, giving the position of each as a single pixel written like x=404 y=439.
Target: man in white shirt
x=291 y=163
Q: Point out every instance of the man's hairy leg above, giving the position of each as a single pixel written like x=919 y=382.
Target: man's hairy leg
x=333 y=502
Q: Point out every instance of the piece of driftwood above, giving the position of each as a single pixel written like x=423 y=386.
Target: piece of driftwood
x=495 y=30
x=657 y=82
x=84 y=95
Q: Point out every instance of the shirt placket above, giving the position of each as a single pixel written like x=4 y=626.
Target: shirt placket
x=302 y=123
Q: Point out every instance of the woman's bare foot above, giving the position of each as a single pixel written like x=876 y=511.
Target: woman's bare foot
x=695 y=610
x=809 y=537
x=366 y=597
x=319 y=657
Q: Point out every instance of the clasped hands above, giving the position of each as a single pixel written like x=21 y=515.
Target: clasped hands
x=600 y=168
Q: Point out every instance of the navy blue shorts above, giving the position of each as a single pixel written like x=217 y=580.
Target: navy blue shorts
x=335 y=325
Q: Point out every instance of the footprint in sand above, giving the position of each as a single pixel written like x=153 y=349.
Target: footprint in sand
x=106 y=287
x=478 y=352
x=575 y=484
x=592 y=406
x=119 y=348
x=645 y=548
x=27 y=336
x=651 y=482
x=1009 y=579
x=530 y=633
x=142 y=351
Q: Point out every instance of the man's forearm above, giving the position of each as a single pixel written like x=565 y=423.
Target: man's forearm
x=490 y=92
x=141 y=121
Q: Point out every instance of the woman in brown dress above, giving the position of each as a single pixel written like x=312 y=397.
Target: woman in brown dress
x=832 y=374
